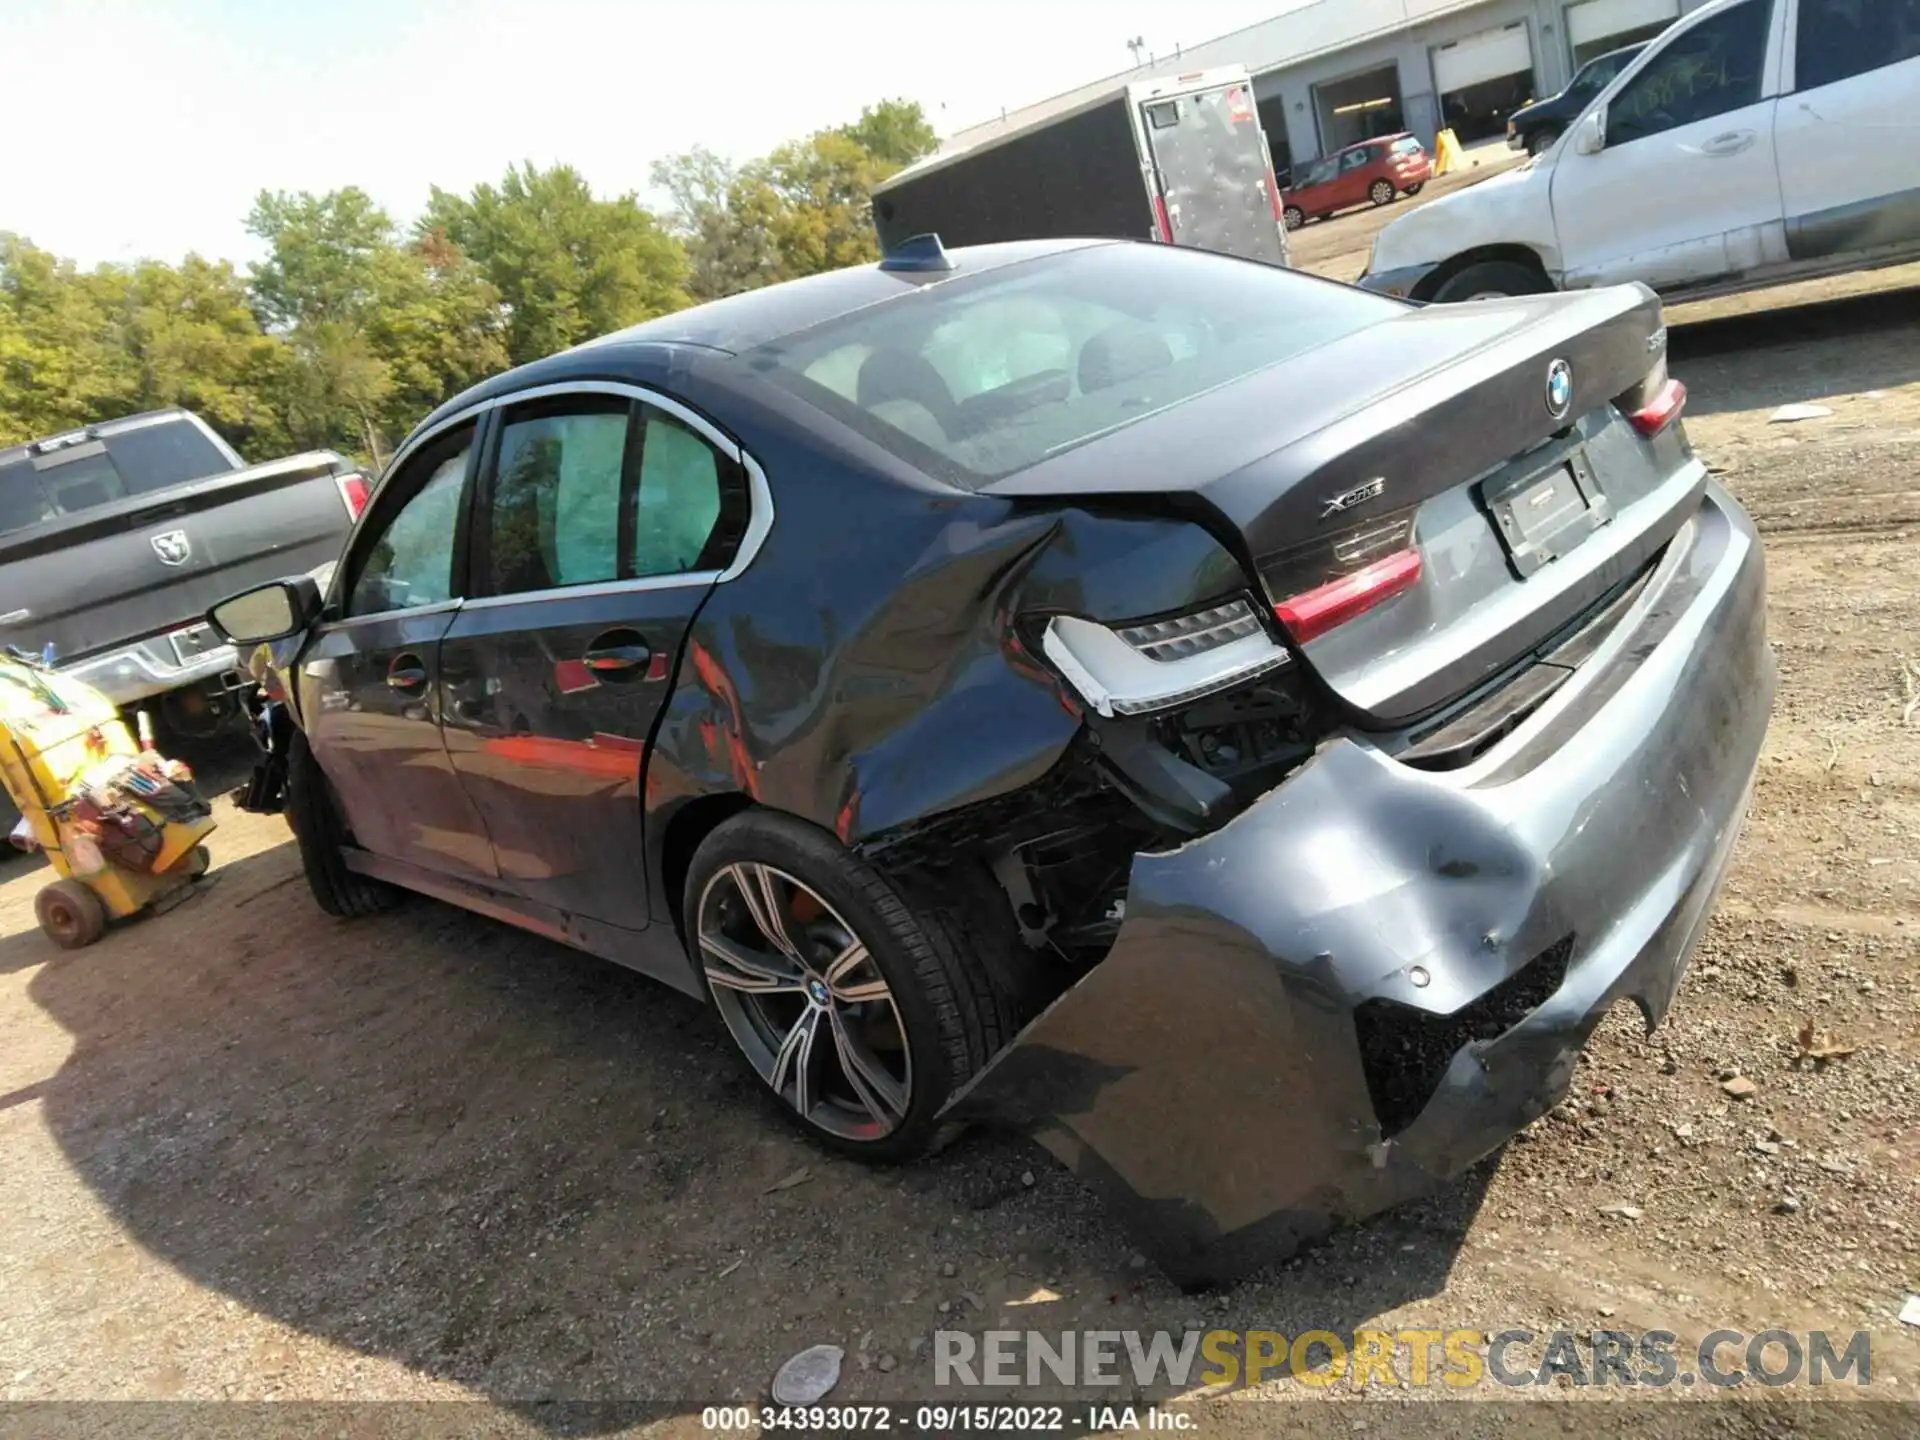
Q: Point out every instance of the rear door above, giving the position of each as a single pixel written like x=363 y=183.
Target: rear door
x=368 y=681
x=606 y=517
x=1210 y=163
x=1849 y=130
x=1686 y=189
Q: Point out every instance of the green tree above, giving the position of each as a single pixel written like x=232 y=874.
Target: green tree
x=895 y=133
x=728 y=246
x=568 y=265
x=376 y=333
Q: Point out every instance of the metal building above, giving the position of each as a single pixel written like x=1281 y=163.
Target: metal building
x=1339 y=71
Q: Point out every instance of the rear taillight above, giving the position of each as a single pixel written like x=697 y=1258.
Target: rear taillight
x=1273 y=192
x=1319 y=610
x=353 y=493
x=1661 y=410
x=1160 y=221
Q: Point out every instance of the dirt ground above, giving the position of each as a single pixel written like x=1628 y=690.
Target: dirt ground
x=250 y=1153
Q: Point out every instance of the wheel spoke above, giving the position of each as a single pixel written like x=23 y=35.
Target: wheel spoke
x=741 y=969
x=840 y=977
x=758 y=889
x=793 y=1061
x=879 y=1093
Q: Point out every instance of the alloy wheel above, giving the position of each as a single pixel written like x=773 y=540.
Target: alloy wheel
x=1382 y=193
x=805 y=1001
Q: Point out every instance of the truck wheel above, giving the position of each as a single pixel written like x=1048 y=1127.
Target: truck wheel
x=71 y=914
x=1381 y=192
x=1295 y=217
x=314 y=817
x=861 y=1012
x=1541 y=141
x=1493 y=280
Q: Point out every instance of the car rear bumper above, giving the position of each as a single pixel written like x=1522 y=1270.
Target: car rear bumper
x=1373 y=977
x=137 y=672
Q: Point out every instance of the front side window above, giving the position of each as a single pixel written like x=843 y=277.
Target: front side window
x=1840 y=39
x=410 y=563
x=981 y=376
x=555 y=511
x=1716 y=67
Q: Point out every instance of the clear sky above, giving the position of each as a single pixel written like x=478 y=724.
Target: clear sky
x=145 y=127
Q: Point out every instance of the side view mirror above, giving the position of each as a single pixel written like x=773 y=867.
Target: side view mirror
x=267 y=612
x=1590 y=138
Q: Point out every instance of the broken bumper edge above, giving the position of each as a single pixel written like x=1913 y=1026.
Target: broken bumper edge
x=1374 y=977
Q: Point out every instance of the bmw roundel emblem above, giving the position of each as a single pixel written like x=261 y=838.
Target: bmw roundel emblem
x=1559 y=388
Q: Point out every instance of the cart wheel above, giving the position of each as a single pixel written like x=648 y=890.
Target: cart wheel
x=199 y=860
x=71 y=914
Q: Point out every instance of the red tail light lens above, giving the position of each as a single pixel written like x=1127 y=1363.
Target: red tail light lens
x=1273 y=192
x=1309 y=616
x=1662 y=410
x=1160 y=221
x=353 y=493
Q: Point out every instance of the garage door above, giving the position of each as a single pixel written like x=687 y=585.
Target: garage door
x=1596 y=20
x=1487 y=56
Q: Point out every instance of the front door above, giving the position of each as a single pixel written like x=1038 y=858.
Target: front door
x=369 y=681
x=1849 y=130
x=1686 y=189
x=604 y=523
x=1210 y=161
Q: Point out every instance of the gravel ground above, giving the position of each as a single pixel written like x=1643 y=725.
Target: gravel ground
x=250 y=1153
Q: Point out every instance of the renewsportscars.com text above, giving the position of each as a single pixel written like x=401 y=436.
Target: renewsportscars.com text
x=1458 y=1359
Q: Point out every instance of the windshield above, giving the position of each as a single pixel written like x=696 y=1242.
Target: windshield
x=974 y=379
x=81 y=475
x=1597 y=76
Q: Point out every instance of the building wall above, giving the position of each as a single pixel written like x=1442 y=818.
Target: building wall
x=1409 y=51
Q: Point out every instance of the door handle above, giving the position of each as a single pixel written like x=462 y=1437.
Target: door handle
x=1731 y=143
x=617 y=655
x=407 y=674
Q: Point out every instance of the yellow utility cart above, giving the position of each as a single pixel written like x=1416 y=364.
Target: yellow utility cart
x=122 y=826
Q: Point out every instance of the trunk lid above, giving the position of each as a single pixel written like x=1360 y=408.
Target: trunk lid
x=150 y=563
x=1418 y=433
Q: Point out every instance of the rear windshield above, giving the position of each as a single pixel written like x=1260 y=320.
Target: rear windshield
x=87 y=474
x=973 y=379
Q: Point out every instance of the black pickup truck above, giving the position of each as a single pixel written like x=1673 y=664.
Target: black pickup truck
x=115 y=539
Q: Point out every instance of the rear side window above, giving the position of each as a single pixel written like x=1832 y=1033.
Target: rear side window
x=592 y=489
x=978 y=377
x=556 y=497
x=1843 y=38
x=1408 y=146
x=1715 y=67
x=1356 y=159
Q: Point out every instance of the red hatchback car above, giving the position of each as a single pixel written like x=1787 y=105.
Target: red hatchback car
x=1372 y=172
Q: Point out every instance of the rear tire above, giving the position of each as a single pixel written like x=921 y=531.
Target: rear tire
x=70 y=914
x=1416 y=188
x=884 y=1038
x=1381 y=192
x=318 y=829
x=1295 y=217
x=1492 y=280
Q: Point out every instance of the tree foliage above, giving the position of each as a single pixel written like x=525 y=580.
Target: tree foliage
x=351 y=328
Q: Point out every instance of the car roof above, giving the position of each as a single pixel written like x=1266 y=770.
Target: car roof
x=745 y=321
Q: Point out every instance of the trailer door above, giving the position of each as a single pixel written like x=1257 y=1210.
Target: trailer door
x=1209 y=158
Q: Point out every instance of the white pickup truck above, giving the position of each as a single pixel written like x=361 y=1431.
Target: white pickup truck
x=1755 y=143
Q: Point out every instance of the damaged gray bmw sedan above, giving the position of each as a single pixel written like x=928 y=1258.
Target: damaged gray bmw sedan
x=1244 y=730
